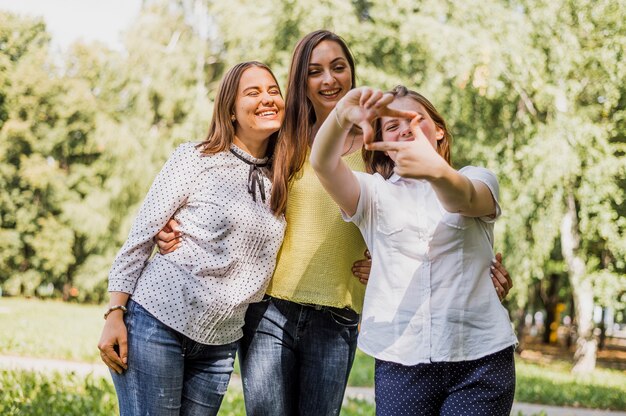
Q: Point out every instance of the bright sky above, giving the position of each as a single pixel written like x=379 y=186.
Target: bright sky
x=70 y=20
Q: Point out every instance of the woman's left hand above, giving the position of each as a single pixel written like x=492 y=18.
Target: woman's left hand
x=500 y=277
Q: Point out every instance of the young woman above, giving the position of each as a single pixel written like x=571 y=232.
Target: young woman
x=443 y=343
x=299 y=342
x=174 y=321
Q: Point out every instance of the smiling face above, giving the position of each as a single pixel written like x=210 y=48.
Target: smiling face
x=329 y=76
x=398 y=129
x=259 y=106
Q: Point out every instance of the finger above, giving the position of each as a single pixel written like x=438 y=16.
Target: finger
x=392 y=112
x=367 y=254
x=371 y=101
x=502 y=280
x=366 y=93
x=503 y=270
x=110 y=353
x=366 y=262
x=497 y=285
x=385 y=146
x=416 y=129
x=368 y=131
x=363 y=270
x=498 y=289
x=360 y=275
x=364 y=280
x=166 y=245
x=171 y=250
x=496 y=270
x=174 y=225
x=167 y=236
x=110 y=363
x=384 y=101
x=123 y=347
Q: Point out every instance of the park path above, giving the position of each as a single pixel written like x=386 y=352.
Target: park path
x=363 y=393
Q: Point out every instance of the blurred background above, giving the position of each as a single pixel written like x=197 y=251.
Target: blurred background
x=95 y=95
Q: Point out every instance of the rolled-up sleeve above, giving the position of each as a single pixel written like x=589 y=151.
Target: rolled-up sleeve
x=491 y=181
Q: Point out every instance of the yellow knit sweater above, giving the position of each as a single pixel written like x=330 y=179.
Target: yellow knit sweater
x=315 y=261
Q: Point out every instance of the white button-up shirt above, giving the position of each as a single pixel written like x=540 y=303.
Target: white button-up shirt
x=228 y=252
x=429 y=297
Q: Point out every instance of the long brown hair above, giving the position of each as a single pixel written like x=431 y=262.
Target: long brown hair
x=222 y=128
x=379 y=162
x=294 y=137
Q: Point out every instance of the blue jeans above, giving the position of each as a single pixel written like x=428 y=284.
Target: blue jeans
x=295 y=359
x=168 y=373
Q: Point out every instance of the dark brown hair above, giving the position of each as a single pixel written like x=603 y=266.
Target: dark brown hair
x=383 y=164
x=295 y=136
x=222 y=128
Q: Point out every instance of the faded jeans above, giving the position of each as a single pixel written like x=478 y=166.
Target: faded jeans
x=295 y=359
x=168 y=373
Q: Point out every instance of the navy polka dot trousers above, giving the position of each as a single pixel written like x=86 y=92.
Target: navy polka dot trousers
x=485 y=386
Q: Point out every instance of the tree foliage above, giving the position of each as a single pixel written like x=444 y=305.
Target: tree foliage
x=534 y=90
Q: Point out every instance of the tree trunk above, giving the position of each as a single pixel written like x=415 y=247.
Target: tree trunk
x=519 y=319
x=550 y=300
x=586 y=345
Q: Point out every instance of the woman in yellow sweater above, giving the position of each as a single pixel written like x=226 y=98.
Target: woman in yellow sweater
x=299 y=342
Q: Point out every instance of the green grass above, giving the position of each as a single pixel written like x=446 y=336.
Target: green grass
x=50 y=329
x=362 y=373
x=556 y=386
x=35 y=394
x=27 y=393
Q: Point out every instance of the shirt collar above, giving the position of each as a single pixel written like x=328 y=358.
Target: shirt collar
x=394 y=178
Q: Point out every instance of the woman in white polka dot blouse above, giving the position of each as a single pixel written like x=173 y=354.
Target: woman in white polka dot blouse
x=174 y=320
x=443 y=342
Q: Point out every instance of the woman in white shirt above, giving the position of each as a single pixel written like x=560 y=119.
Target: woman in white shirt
x=443 y=343
x=174 y=321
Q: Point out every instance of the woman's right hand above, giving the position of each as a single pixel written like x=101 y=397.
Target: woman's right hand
x=361 y=106
x=114 y=335
x=169 y=238
x=361 y=269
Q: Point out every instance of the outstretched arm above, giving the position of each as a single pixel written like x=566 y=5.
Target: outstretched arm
x=333 y=173
x=360 y=107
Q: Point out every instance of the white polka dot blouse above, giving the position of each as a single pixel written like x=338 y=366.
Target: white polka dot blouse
x=229 y=245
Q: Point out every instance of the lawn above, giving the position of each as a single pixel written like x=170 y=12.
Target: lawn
x=48 y=329
x=36 y=394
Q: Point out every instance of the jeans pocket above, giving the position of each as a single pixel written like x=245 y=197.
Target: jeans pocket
x=344 y=317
